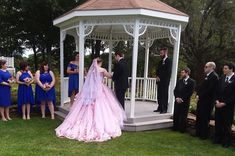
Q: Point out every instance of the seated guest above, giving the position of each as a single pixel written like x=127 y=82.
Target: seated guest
x=224 y=107
x=73 y=72
x=6 y=80
x=25 y=92
x=183 y=92
x=206 y=100
x=45 y=90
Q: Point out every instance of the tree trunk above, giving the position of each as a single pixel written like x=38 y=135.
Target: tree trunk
x=35 y=57
x=199 y=74
x=92 y=49
x=48 y=49
x=97 y=48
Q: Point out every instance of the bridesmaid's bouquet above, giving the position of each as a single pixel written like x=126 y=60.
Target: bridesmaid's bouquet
x=27 y=80
x=47 y=85
x=76 y=70
x=11 y=80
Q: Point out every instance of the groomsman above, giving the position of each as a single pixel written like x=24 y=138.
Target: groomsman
x=183 y=92
x=120 y=78
x=224 y=111
x=206 y=100
x=163 y=79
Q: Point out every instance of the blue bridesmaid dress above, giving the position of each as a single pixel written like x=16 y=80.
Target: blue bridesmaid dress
x=73 y=80
x=25 y=93
x=42 y=95
x=5 y=91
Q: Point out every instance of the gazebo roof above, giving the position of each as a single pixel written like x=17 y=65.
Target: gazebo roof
x=150 y=8
x=155 y=5
x=115 y=19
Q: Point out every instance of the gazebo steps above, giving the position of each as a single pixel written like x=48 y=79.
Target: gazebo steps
x=148 y=125
x=152 y=117
x=138 y=123
x=60 y=115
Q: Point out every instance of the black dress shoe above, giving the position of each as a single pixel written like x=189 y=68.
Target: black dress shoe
x=156 y=110
x=203 y=138
x=216 y=141
x=226 y=145
x=163 y=112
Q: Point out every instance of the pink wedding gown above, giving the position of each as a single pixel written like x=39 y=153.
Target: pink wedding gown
x=96 y=114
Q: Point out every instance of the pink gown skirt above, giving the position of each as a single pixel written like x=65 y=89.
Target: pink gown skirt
x=96 y=122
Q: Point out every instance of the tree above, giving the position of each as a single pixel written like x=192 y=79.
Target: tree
x=10 y=28
x=210 y=33
x=40 y=34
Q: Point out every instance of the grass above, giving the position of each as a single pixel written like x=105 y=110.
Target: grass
x=37 y=138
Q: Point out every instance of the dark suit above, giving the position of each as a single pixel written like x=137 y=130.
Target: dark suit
x=184 y=90
x=207 y=95
x=224 y=115
x=120 y=78
x=164 y=73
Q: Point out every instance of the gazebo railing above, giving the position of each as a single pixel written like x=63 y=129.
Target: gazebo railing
x=146 y=89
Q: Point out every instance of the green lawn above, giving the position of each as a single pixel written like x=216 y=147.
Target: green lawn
x=37 y=137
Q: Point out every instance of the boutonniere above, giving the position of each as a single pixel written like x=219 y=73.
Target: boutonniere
x=230 y=81
x=206 y=78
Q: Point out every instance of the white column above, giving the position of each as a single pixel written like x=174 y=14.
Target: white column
x=110 y=59
x=134 y=67
x=62 y=95
x=146 y=68
x=76 y=38
x=81 y=54
x=174 y=70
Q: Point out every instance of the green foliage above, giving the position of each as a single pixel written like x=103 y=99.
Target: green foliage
x=10 y=23
x=210 y=33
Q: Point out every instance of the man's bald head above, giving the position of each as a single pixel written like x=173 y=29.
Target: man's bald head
x=209 y=67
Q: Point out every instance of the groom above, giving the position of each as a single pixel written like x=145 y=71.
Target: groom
x=120 y=78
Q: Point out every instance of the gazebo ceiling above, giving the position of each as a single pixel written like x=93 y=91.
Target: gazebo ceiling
x=119 y=34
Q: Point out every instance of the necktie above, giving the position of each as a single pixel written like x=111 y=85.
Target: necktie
x=226 y=80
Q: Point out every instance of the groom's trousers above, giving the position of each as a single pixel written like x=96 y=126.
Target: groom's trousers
x=120 y=93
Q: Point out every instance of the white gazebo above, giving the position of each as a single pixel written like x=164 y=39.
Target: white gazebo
x=140 y=21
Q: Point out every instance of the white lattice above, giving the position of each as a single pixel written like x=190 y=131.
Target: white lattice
x=173 y=35
x=159 y=29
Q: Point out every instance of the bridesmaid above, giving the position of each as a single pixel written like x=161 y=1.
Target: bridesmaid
x=25 y=92
x=45 y=90
x=6 y=80
x=73 y=72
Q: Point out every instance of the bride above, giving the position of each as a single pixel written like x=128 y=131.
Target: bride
x=96 y=114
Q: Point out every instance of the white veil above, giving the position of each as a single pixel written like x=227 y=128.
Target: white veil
x=92 y=85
